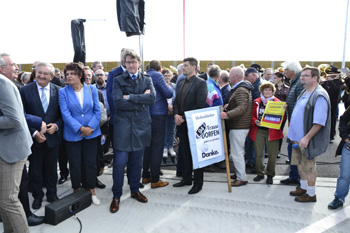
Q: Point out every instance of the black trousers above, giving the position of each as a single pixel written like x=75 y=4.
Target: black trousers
x=153 y=155
x=23 y=192
x=43 y=170
x=334 y=107
x=82 y=153
x=187 y=158
x=63 y=160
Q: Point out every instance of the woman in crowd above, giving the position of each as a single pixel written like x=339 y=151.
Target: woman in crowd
x=263 y=136
x=281 y=93
x=170 y=122
x=81 y=114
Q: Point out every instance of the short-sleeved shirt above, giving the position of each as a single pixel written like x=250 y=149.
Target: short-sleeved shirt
x=296 y=128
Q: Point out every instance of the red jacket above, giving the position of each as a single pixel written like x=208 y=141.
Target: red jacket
x=274 y=134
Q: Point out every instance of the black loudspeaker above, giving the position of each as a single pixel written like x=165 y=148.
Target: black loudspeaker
x=64 y=208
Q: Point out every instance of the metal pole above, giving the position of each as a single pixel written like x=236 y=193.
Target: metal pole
x=183 y=26
x=346 y=27
x=141 y=53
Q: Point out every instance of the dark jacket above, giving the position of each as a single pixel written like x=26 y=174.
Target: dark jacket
x=255 y=91
x=163 y=92
x=194 y=99
x=113 y=73
x=294 y=91
x=226 y=93
x=32 y=105
x=132 y=122
x=344 y=130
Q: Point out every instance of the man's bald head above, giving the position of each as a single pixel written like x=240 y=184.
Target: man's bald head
x=236 y=75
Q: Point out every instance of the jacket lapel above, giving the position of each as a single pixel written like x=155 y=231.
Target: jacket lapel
x=53 y=93
x=36 y=96
x=73 y=98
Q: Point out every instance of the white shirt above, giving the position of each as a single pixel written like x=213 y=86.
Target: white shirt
x=46 y=91
x=80 y=96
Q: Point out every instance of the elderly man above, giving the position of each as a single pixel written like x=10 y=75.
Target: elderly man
x=252 y=75
x=309 y=132
x=239 y=114
x=133 y=93
x=191 y=94
x=40 y=98
x=268 y=75
x=13 y=152
x=292 y=70
x=225 y=86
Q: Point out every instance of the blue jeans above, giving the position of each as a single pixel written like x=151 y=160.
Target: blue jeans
x=134 y=161
x=293 y=174
x=169 y=132
x=343 y=182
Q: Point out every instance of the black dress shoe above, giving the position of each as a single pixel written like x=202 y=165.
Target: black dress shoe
x=290 y=181
x=181 y=184
x=34 y=220
x=195 y=189
x=52 y=199
x=99 y=184
x=37 y=203
x=141 y=186
x=258 y=178
x=62 y=179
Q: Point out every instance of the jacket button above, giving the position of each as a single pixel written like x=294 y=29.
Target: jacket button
x=82 y=115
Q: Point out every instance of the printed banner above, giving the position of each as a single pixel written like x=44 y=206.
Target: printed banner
x=273 y=115
x=205 y=136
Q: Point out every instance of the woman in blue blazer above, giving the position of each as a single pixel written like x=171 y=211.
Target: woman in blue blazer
x=81 y=114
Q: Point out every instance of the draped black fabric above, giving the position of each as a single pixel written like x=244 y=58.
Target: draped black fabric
x=131 y=16
x=78 y=37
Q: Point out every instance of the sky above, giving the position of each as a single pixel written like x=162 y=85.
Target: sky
x=253 y=30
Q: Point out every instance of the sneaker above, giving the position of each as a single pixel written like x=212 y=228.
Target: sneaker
x=279 y=155
x=290 y=181
x=171 y=152
x=258 y=178
x=95 y=200
x=159 y=184
x=298 y=192
x=335 y=204
x=269 y=180
x=305 y=198
x=165 y=153
x=332 y=140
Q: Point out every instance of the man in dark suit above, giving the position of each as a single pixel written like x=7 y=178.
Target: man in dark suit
x=191 y=94
x=205 y=76
x=40 y=98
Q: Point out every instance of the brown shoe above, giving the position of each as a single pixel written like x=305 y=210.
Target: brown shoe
x=234 y=176
x=114 y=207
x=140 y=197
x=159 y=184
x=146 y=180
x=238 y=183
x=305 y=198
x=298 y=192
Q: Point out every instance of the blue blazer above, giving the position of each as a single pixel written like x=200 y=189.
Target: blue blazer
x=74 y=116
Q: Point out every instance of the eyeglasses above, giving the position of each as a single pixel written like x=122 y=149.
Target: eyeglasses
x=99 y=75
x=131 y=62
x=305 y=75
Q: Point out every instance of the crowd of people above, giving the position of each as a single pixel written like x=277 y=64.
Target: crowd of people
x=73 y=116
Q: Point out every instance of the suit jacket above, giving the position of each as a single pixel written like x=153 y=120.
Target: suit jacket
x=75 y=117
x=15 y=138
x=32 y=105
x=33 y=121
x=195 y=98
x=111 y=75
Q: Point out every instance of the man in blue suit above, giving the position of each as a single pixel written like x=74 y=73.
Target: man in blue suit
x=40 y=99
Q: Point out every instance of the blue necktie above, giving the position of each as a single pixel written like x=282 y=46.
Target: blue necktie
x=44 y=99
x=133 y=77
